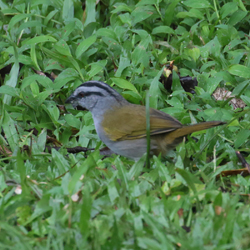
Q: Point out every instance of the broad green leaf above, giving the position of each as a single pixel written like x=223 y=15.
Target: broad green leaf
x=146 y=2
x=224 y=35
x=3 y=44
x=33 y=56
x=29 y=24
x=194 y=53
x=213 y=82
x=112 y=192
x=176 y=85
x=52 y=110
x=64 y=77
x=170 y=13
x=20 y=167
x=212 y=47
x=72 y=121
x=39 y=39
x=60 y=162
x=89 y=30
x=241 y=5
x=239 y=70
x=232 y=44
x=122 y=172
x=123 y=64
x=189 y=179
x=239 y=89
x=7 y=11
x=236 y=17
x=140 y=51
x=197 y=4
x=228 y=8
x=132 y=96
x=140 y=14
x=8 y=90
x=242 y=137
x=246 y=99
x=202 y=69
x=175 y=102
x=90 y=12
x=84 y=45
x=86 y=208
x=96 y=67
x=107 y=33
x=163 y=29
x=44 y=2
x=34 y=89
x=26 y=60
x=10 y=131
x=85 y=165
x=142 y=33
x=43 y=80
x=42 y=206
x=40 y=98
x=191 y=13
x=124 y=84
x=126 y=18
x=12 y=81
x=16 y=19
x=50 y=16
x=156 y=227
x=41 y=140
x=53 y=65
x=56 y=56
x=235 y=56
x=68 y=10
x=63 y=48
x=154 y=90
x=120 y=7
x=76 y=65
x=136 y=169
x=148 y=243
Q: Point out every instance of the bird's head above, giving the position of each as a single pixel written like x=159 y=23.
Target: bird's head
x=95 y=96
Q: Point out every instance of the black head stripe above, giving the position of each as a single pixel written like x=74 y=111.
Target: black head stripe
x=103 y=86
x=92 y=93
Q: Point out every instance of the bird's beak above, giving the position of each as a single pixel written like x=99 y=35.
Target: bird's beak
x=70 y=99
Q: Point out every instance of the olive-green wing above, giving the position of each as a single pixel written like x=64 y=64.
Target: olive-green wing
x=129 y=122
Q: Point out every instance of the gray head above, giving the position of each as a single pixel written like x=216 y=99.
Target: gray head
x=95 y=96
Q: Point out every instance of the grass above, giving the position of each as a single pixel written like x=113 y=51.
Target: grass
x=52 y=199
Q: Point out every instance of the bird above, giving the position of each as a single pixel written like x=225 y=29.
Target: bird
x=121 y=125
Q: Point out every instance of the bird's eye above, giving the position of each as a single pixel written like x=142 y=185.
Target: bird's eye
x=81 y=94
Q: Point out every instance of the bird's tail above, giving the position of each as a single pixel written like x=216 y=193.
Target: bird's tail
x=175 y=136
x=185 y=130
